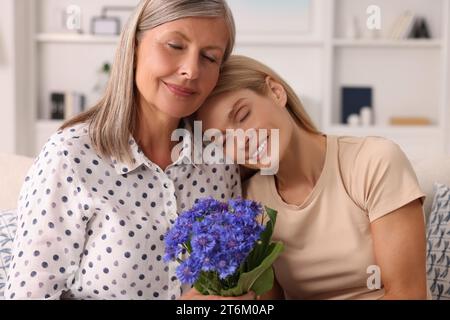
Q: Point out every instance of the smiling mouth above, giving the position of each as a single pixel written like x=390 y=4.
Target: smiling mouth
x=180 y=91
x=261 y=148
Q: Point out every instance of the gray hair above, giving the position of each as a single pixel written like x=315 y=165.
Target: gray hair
x=113 y=118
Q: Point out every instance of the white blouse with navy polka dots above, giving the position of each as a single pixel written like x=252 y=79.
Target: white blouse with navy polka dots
x=90 y=227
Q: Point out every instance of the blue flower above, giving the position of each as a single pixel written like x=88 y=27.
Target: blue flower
x=203 y=243
x=188 y=271
x=225 y=265
x=219 y=234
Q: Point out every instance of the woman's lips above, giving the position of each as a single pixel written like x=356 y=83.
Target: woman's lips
x=258 y=153
x=180 y=91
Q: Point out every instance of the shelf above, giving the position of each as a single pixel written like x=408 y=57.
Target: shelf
x=403 y=131
x=253 y=40
x=287 y=40
x=49 y=124
x=290 y=40
x=387 y=43
x=76 y=38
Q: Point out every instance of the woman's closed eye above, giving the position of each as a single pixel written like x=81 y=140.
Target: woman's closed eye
x=242 y=114
x=179 y=47
x=175 y=46
x=210 y=58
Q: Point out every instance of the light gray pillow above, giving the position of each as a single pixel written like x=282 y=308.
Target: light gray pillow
x=8 y=227
x=438 y=244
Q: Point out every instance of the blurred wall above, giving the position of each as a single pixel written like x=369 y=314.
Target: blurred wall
x=7 y=77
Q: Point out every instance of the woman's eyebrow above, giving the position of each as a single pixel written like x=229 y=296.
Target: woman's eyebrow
x=214 y=48
x=186 y=38
x=179 y=34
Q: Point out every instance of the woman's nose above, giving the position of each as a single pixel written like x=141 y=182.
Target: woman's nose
x=190 y=67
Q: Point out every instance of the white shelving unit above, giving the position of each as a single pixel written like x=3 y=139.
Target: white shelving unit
x=75 y=38
x=406 y=75
x=383 y=43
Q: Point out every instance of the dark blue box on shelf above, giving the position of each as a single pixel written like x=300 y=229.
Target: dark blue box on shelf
x=353 y=99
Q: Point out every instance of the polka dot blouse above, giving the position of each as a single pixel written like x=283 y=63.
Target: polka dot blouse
x=91 y=227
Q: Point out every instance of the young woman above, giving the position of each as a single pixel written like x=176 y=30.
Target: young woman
x=105 y=189
x=349 y=209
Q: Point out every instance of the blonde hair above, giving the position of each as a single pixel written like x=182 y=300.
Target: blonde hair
x=240 y=72
x=113 y=118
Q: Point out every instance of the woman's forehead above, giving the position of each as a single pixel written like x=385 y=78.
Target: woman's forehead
x=211 y=29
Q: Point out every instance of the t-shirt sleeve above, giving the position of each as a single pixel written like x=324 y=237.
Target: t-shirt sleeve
x=383 y=178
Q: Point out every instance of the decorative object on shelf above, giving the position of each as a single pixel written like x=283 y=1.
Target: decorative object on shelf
x=410 y=26
x=366 y=116
x=103 y=77
x=74 y=104
x=353 y=120
x=281 y=18
x=106 y=25
x=66 y=105
x=66 y=19
x=402 y=26
x=420 y=29
x=410 y=121
x=57 y=101
x=73 y=18
x=353 y=28
x=353 y=100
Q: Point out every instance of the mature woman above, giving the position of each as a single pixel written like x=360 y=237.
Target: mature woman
x=349 y=209
x=105 y=189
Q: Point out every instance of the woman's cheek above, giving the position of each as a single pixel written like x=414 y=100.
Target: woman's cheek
x=210 y=81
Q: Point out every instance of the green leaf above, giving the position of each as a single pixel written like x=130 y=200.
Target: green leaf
x=188 y=246
x=248 y=280
x=272 y=214
x=264 y=283
x=260 y=251
x=201 y=286
x=208 y=283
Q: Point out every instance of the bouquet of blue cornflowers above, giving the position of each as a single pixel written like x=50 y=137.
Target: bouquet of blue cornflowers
x=224 y=248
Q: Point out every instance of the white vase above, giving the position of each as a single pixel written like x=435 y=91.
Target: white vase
x=353 y=120
x=366 y=116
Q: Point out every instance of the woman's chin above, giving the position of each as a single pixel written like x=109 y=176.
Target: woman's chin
x=177 y=113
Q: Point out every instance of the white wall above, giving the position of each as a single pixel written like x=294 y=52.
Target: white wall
x=17 y=114
x=7 y=77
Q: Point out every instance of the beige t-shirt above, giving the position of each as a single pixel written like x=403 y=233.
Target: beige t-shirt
x=328 y=242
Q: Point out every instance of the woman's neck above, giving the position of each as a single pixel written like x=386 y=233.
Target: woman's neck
x=153 y=134
x=303 y=164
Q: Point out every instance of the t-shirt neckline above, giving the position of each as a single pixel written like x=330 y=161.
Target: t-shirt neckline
x=321 y=182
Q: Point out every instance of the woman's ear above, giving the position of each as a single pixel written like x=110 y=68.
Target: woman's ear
x=276 y=91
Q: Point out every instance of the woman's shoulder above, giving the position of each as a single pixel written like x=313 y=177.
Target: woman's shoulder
x=368 y=164
x=64 y=143
x=364 y=150
x=68 y=138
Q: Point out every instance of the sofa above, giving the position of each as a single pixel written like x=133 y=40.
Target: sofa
x=13 y=170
